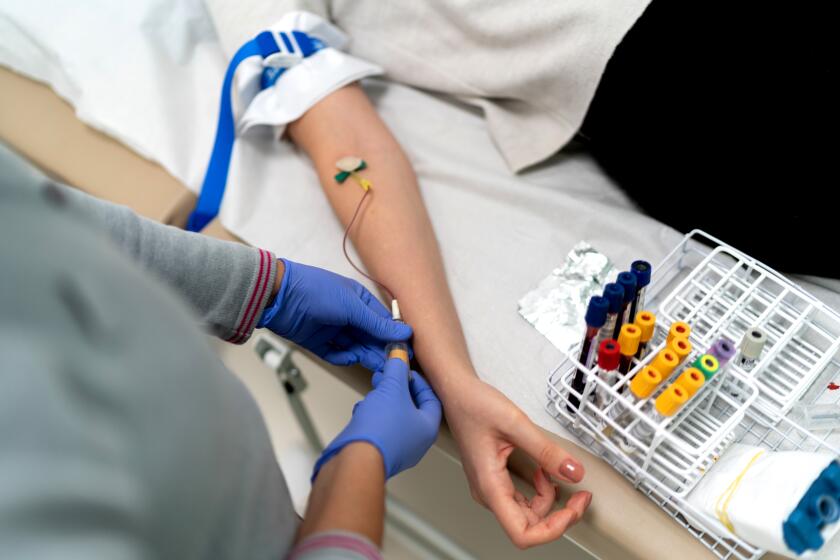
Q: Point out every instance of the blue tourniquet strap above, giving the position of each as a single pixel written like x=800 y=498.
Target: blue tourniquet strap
x=215 y=179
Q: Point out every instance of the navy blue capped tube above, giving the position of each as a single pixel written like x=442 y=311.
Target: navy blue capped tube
x=642 y=271
x=627 y=280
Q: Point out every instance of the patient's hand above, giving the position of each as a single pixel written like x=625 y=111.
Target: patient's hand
x=488 y=426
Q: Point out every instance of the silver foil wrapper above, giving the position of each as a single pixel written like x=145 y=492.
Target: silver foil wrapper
x=557 y=306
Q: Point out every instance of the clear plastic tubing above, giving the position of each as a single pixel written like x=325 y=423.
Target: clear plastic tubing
x=818 y=416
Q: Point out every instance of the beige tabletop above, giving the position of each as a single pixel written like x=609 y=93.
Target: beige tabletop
x=620 y=524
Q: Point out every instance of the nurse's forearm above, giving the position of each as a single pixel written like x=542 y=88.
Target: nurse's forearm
x=348 y=495
x=393 y=236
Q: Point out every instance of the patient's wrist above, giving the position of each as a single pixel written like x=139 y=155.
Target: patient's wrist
x=455 y=385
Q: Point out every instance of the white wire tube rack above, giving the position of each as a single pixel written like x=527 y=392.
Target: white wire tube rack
x=719 y=291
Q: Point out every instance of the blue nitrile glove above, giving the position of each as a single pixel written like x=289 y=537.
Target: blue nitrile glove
x=334 y=317
x=399 y=417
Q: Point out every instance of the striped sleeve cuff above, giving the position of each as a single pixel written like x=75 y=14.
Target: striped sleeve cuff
x=335 y=545
x=257 y=297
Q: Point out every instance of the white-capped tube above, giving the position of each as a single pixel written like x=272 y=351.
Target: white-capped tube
x=751 y=347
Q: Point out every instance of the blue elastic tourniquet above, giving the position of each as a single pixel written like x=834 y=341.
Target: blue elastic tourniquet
x=215 y=179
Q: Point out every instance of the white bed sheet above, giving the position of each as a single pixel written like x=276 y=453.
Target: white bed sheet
x=499 y=233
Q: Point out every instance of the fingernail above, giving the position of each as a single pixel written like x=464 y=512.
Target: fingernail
x=588 y=500
x=571 y=470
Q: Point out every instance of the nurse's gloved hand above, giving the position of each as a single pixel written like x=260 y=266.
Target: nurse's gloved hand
x=332 y=316
x=399 y=417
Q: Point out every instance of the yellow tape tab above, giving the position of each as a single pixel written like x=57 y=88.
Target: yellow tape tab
x=726 y=497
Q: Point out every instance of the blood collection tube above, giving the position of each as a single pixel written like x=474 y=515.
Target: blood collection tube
x=665 y=362
x=692 y=379
x=681 y=346
x=751 y=346
x=609 y=356
x=398 y=350
x=724 y=350
x=667 y=404
x=628 y=341
x=596 y=316
x=641 y=270
x=708 y=365
x=678 y=329
x=646 y=321
x=615 y=295
x=628 y=283
x=643 y=384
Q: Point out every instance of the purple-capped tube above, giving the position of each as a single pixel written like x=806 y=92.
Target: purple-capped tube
x=724 y=350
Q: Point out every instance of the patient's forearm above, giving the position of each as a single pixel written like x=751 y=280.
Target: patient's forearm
x=393 y=236
x=398 y=246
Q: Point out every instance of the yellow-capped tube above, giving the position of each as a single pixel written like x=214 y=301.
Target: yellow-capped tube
x=678 y=329
x=645 y=382
x=646 y=321
x=666 y=362
x=667 y=404
x=628 y=341
x=671 y=400
x=681 y=346
x=692 y=379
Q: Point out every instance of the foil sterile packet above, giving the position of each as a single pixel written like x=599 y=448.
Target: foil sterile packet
x=556 y=307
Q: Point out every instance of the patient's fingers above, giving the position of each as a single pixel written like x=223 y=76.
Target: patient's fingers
x=522 y=524
x=543 y=501
x=555 y=460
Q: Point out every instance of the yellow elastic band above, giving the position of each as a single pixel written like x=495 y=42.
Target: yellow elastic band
x=726 y=497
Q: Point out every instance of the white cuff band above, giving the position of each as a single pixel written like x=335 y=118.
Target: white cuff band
x=302 y=85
